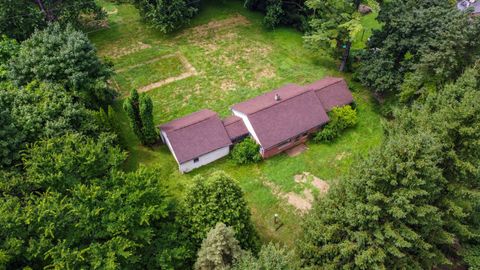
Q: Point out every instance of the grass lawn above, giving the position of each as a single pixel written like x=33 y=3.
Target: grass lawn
x=235 y=58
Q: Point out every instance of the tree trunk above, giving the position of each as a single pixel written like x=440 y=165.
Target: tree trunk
x=48 y=15
x=357 y=4
x=346 y=55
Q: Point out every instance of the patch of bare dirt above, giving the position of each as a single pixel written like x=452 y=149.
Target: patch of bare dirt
x=227 y=85
x=316 y=182
x=129 y=50
x=297 y=150
x=301 y=203
x=216 y=25
x=342 y=155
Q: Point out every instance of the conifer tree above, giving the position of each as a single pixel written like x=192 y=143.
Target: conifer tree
x=220 y=250
x=139 y=110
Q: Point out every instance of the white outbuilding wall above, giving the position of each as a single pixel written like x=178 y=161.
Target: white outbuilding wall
x=202 y=160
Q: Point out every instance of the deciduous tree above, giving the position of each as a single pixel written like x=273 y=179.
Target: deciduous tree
x=215 y=199
x=167 y=15
x=63 y=56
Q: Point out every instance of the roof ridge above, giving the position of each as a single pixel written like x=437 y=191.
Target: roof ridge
x=281 y=101
x=191 y=124
x=335 y=82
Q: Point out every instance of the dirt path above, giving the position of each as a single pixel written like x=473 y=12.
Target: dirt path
x=190 y=71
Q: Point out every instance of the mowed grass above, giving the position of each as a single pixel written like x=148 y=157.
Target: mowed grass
x=235 y=59
x=152 y=71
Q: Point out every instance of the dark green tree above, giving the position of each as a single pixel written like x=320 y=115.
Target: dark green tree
x=167 y=15
x=414 y=200
x=63 y=56
x=217 y=199
x=421 y=46
x=62 y=162
x=109 y=223
x=39 y=111
x=20 y=18
x=149 y=130
x=139 y=109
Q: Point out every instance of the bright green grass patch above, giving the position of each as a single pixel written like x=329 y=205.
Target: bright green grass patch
x=146 y=73
x=234 y=63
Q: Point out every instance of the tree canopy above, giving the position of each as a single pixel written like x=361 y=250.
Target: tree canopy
x=421 y=46
x=20 y=18
x=63 y=56
x=407 y=203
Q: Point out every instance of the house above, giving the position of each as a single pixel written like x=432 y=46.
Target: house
x=277 y=120
x=283 y=118
x=196 y=139
x=473 y=5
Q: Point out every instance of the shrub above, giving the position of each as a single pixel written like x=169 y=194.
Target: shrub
x=247 y=151
x=341 y=118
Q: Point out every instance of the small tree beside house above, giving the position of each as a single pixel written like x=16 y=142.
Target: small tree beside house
x=139 y=109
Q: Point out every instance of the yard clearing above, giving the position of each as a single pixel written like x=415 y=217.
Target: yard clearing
x=234 y=58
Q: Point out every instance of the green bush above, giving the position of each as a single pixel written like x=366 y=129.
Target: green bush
x=248 y=151
x=341 y=118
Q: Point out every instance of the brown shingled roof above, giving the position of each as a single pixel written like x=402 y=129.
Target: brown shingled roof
x=274 y=121
x=332 y=92
x=196 y=134
x=235 y=127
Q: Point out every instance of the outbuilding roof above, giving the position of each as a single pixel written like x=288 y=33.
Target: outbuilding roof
x=283 y=113
x=196 y=134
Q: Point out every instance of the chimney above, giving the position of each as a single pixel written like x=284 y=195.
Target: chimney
x=277 y=97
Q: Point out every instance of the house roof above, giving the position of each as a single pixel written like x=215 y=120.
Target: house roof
x=235 y=127
x=276 y=121
x=195 y=135
x=465 y=4
x=332 y=92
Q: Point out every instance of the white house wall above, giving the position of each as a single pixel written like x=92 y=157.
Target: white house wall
x=204 y=160
x=247 y=123
x=165 y=140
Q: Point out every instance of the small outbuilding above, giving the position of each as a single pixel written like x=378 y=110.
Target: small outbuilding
x=196 y=139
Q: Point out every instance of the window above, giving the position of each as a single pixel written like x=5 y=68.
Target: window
x=195 y=160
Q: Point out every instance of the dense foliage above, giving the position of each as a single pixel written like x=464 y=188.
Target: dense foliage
x=217 y=199
x=341 y=118
x=167 y=15
x=421 y=46
x=20 y=18
x=271 y=257
x=35 y=112
x=411 y=201
x=76 y=210
x=220 y=250
x=246 y=151
x=334 y=27
x=279 y=12
x=139 y=109
x=65 y=57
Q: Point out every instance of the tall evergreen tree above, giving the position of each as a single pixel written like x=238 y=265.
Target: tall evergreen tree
x=139 y=109
x=408 y=203
x=220 y=250
x=149 y=130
